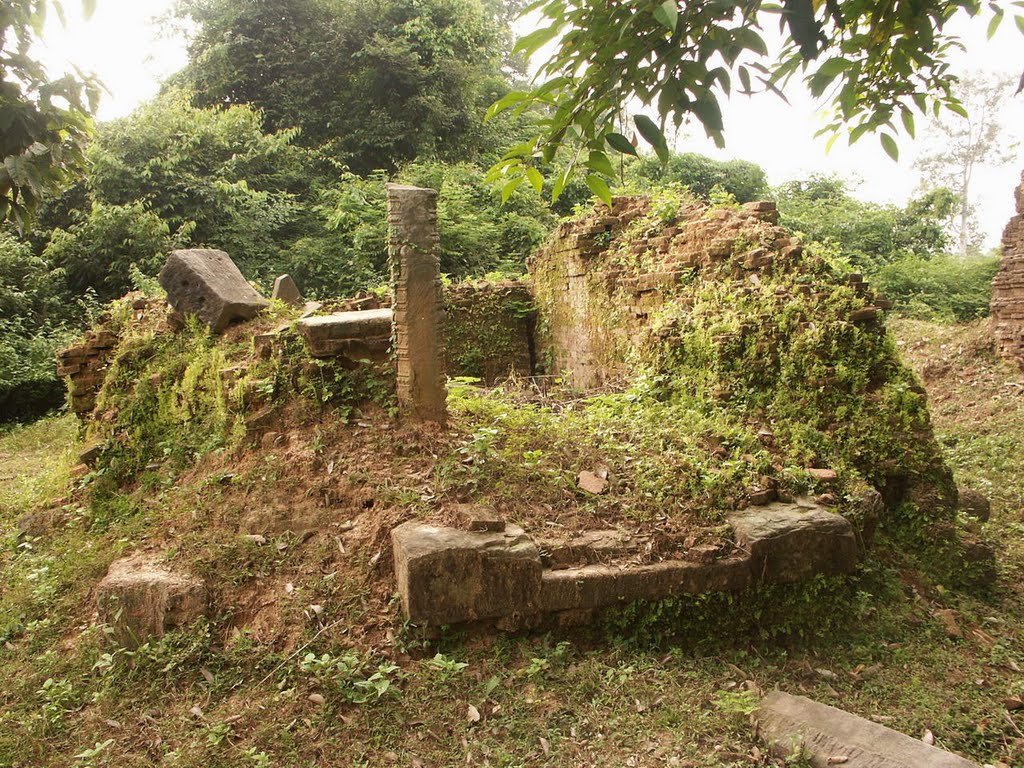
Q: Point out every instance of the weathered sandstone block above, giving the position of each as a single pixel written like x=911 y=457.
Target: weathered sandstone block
x=830 y=737
x=447 y=576
x=287 y=291
x=365 y=333
x=206 y=283
x=789 y=542
x=139 y=599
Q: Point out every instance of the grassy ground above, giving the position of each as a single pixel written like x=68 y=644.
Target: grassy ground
x=244 y=690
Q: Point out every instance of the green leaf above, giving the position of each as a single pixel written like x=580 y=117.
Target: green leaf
x=600 y=189
x=509 y=99
x=598 y=161
x=535 y=178
x=667 y=14
x=88 y=8
x=510 y=187
x=620 y=143
x=708 y=112
x=908 y=122
x=531 y=43
x=652 y=135
x=890 y=146
x=993 y=25
x=744 y=79
x=834 y=66
x=1020 y=23
x=560 y=181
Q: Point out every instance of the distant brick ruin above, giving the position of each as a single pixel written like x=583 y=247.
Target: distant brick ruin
x=1008 y=287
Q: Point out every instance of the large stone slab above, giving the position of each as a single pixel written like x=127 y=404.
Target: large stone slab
x=139 y=599
x=601 y=586
x=206 y=283
x=830 y=737
x=789 y=542
x=449 y=576
x=363 y=333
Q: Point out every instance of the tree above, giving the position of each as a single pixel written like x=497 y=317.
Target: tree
x=44 y=123
x=375 y=83
x=959 y=144
x=212 y=175
x=743 y=180
x=877 y=63
x=865 y=235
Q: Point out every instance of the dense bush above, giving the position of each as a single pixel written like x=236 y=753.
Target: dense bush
x=743 y=180
x=865 y=235
x=97 y=253
x=945 y=288
x=36 y=317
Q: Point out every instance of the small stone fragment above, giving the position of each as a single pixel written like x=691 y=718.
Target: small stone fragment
x=287 y=291
x=948 y=618
x=823 y=475
x=975 y=504
x=592 y=483
x=480 y=517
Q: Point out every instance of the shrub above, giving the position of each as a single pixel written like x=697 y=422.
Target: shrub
x=944 y=288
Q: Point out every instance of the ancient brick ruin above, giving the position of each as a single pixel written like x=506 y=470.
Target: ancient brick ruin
x=1008 y=287
x=599 y=292
x=598 y=309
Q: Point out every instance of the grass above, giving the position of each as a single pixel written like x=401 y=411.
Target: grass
x=35 y=462
x=238 y=690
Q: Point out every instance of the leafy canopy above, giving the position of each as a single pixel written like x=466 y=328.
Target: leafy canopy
x=44 y=123
x=375 y=83
x=877 y=63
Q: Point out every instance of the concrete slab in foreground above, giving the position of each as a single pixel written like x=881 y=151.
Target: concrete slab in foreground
x=831 y=737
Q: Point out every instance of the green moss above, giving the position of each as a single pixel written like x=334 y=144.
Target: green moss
x=488 y=330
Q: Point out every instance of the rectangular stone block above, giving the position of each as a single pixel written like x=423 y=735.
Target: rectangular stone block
x=345 y=333
x=448 y=576
x=789 y=542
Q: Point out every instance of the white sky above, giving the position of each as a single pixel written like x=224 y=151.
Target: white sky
x=122 y=44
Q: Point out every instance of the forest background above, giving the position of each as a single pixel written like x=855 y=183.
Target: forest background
x=275 y=140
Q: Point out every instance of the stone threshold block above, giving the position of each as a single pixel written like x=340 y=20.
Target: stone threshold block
x=450 y=576
x=829 y=736
x=792 y=541
x=139 y=599
x=356 y=335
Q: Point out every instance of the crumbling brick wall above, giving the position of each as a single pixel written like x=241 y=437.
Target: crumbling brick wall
x=85 y=365
x=602 y=279
x=1008 y=287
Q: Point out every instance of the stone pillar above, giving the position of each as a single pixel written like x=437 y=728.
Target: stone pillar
x=414 y=252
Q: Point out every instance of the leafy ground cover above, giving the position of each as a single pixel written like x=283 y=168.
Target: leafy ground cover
x=308 y=662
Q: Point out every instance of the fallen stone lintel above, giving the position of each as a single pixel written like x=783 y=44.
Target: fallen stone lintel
x=206 y=283
x=347 y=333
x=830 y=736
x=450 y=576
